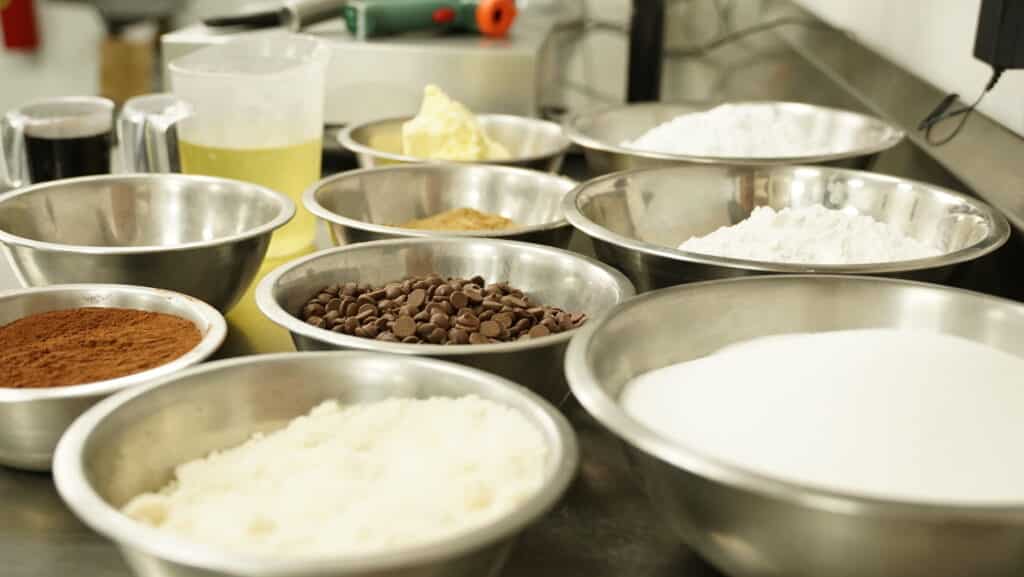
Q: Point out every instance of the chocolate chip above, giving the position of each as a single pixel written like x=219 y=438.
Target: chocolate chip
x=477 y=339
x=458 y=336
x=393 y=291
x=539 y=331
x=387 y=336
x=504 y=319
x=417 y=297
x=459 y=299
x=316 y=322
x=411 y=340
x=404 y=326
x=351 y=309
x=490 y=329
x=437 y=336
x=440 y=321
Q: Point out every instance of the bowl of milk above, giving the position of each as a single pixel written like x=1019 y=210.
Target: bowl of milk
x=821 y=425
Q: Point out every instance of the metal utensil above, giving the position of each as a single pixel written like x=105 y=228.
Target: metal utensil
x=637 y=219
x=32 y=420
x=197 y=235
x=132 y=443
x=370 y=204
x=533 y=143
x=549 y=276
x=293 y=15
x=857 y=137
x=754 y=526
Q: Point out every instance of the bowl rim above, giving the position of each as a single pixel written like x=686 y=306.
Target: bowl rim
x=999 y=228
x=607 y=411
x=273 y=310
x=313 y=205
x=78 y=493
x=208 y=344
x=571 y=126
x=347 y=140
x=286 y=211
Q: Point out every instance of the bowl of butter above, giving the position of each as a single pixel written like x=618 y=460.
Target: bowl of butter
x=445 y=130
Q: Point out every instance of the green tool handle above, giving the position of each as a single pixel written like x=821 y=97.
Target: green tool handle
x=372 y=18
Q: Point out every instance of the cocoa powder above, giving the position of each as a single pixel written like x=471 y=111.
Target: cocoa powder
x=85 y=345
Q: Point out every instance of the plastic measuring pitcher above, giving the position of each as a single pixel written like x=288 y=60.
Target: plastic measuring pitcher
x=255 y=113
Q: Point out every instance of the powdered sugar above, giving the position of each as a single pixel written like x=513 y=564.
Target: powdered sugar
x=810 y=235
x=738 y=131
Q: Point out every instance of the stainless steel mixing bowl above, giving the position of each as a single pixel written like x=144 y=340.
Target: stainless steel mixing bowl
x=857 y=138
x=369 y=204
x=549 y=276
x=131 y=443
x=637 y=219
x=750 y=525
x=532 y=142
x=197 y=235
x=32 y=420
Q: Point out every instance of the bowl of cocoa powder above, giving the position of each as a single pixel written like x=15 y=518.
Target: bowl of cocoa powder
x=507 y=307
x=65 y=347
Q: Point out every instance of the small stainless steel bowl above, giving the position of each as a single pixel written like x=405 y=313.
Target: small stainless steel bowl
x=369 y=204
x=532 y=142
x=548 y=275
x=750 y=525
x=131 y=444
x=32 y=420
x=198 y=235
x=858 y=138
x=637 y=219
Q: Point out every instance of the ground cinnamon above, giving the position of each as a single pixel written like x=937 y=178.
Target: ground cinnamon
x=85 y=345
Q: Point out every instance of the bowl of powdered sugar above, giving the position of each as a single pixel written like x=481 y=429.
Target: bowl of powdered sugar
x=668 y=226
x=821 y=425
x=747 y=133
x=344 y=463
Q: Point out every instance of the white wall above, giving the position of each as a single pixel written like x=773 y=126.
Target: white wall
x=933 y=39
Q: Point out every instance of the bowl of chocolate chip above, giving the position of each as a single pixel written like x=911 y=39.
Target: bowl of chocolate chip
x=430 y=200
x=503 y=306
x=65 y=347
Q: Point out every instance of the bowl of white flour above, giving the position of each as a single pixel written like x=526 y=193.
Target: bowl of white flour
x=821 y=425
x=766 y=133
x=669 y=226
x=342 y=463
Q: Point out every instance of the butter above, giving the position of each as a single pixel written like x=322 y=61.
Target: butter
x=446 y=130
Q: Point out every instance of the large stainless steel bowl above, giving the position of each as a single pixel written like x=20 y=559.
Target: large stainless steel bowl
x=197 y=235
x=131 y=444
x=549 y=276
x=857 y=138
x=532 y=142
x=369 y=204
x=637 y=219
x=750 y=525
x=32 y=420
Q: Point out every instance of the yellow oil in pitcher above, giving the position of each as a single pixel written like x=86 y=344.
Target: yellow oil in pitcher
x=287 y=169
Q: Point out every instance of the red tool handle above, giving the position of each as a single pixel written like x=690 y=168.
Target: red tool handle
x=18 y=22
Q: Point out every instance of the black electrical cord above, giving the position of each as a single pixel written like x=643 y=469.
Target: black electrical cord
x=942 y=112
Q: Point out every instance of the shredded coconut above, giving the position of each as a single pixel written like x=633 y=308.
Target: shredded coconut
x=356 y=479
x=810 y=235
x=741 y=131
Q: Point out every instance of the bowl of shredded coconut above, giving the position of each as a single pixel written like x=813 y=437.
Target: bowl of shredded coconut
x=668 y=226
x=748 y=133
x=318 y=463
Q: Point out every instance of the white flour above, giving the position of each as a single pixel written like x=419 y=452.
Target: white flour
x=908 y=415
x=741 y=131
x=810 y=235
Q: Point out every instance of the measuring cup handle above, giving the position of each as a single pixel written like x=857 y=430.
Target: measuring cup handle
x=13 y=164
x=149 y=141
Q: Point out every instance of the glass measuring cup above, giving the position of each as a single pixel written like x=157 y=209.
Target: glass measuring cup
x=56 y=138
x=255 y=113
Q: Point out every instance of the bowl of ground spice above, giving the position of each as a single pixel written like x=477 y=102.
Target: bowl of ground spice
x=430 y=200
x=65 y=347
x=503 y=306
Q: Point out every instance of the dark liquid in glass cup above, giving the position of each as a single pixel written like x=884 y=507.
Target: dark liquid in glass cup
x=54 y=158
x=58 y=138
